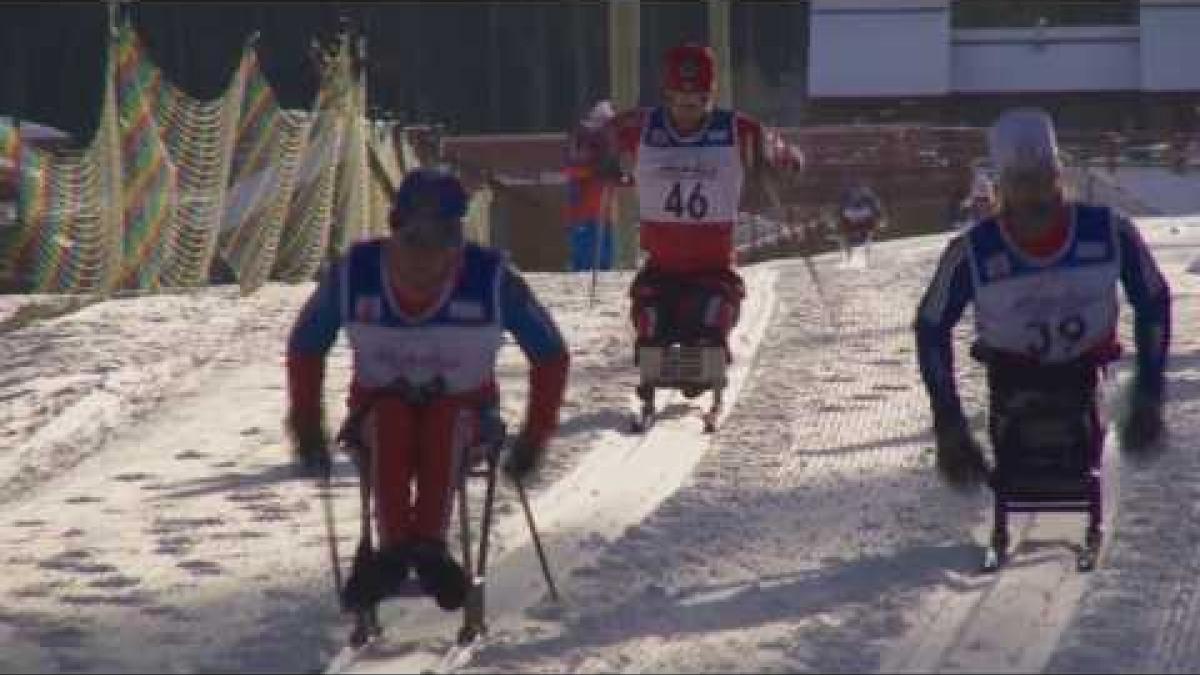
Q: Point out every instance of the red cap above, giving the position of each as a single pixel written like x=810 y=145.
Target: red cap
x=690 y=67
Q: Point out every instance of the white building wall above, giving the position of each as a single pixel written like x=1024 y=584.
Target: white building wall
x=879 y=48
x=1170 y=58
x=1052 y=59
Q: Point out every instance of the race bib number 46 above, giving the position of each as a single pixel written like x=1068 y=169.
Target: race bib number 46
x=694 y=206
x=690 y=185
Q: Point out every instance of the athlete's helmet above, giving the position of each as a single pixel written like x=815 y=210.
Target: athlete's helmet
x=690 y=68
x=1023 y=140
x=428 y=208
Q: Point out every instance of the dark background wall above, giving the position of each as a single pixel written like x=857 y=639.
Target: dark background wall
x=52 y=55
x=768 y=43
x=52 y=63
x=499 y=66
x=475 y=66
x=489 y=66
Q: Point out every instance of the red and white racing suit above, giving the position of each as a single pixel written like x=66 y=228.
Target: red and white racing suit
x=689 y=189
x=419 y=448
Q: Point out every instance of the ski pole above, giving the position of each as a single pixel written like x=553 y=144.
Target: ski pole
x=601 y=227
x=326 y=486
x=592 y=291
x=595 y=261
x=537 y=541
x=772 y=191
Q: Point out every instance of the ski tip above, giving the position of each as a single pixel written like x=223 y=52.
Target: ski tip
x=639 y=424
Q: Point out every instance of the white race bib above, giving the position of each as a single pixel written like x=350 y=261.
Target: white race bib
x=698 y=182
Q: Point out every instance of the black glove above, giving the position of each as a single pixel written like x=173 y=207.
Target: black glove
x=959 y=461
x=492 y=428
x=310 y=443
x=523 y=458
x=1143 y=426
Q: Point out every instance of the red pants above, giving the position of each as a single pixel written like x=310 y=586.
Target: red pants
x=418 y=455
x=671 y=307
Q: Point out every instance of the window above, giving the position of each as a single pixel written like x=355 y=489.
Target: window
x=1027 y=13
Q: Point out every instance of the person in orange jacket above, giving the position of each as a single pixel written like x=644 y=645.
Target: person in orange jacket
x=589 y=198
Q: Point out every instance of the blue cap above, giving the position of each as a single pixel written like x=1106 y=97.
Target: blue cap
x=433 y=193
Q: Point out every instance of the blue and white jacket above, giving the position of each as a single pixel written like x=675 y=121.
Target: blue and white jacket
x=1047 y=310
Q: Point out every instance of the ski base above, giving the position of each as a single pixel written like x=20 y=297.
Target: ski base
x=360 y=642
x=1088 y=558
x=993 y=559
x=366 y=629
x=458 y=656
x=641 y=423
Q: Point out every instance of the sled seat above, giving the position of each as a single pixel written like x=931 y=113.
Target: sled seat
x=683 y=366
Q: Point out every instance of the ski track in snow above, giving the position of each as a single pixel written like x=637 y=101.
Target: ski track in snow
x=1142 y=609
x=152 y=525
x=166 y=534
x=804 y=531
x=621 y=480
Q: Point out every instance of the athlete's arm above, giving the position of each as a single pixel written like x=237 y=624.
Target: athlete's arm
x=765 y=150
x=768 y=160
x=622 y=135
x=542 y=343
x=940 y=310
x=1148 y=293
x=311 y=338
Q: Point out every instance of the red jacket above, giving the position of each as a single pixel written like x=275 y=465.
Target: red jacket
x=688 y=249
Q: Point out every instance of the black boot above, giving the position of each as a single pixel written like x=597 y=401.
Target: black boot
x=364 y=587
x=1090 y=552
x=1000 y=540
x=440 y=574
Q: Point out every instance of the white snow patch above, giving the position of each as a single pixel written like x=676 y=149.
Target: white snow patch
x=151 y=523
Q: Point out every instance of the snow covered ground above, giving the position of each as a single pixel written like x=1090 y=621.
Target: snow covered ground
x=1170 y=193
x=150 y=522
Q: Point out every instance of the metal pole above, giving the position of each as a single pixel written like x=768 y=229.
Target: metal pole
x=326 y=487
x=602 y=227
x=537 y=541
x=718 y=38
x=624 y=50
x=624 y=65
